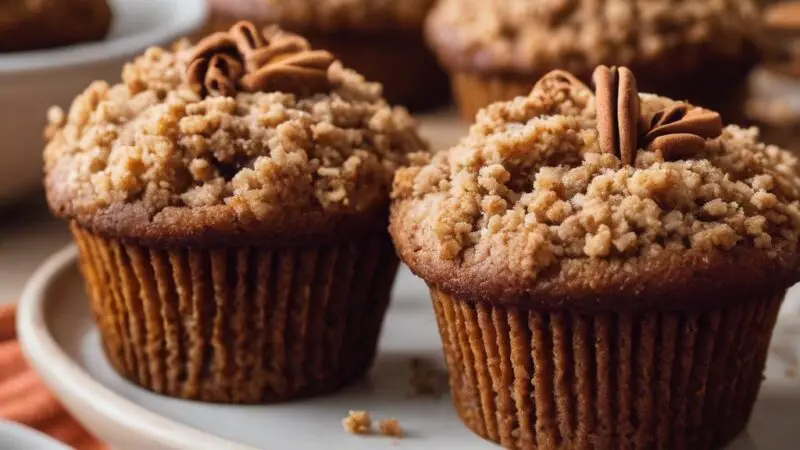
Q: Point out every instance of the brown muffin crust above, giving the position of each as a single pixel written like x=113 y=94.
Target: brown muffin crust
x=529 y=210
x=149 y=159
x=329 y=15
x=523 y=37
x=37 y=24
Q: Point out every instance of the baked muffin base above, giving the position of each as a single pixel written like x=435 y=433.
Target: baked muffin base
x=239 y=325
x=398 y=59
x=548 y=380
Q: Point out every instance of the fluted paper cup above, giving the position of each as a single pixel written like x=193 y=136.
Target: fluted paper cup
x=239 y=325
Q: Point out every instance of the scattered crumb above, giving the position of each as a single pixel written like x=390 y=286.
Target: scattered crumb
x=360 y=423
x=427 y=379
x=357 y=422
x=791 y=372
x=391 y=427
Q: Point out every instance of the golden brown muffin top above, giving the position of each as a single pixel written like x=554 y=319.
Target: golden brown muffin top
x=315 y=15
x=170 y=155
x=37 y=24
x=521 y=36
x=531 y=202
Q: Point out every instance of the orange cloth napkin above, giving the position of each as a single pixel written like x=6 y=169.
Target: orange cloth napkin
x=25 y=399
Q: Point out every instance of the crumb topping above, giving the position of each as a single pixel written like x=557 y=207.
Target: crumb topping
x=330 y=14
x=391 y=428
x=521 y=35
x=360 y=423
x=151 y=140
x=531 y=186
x=357 y=422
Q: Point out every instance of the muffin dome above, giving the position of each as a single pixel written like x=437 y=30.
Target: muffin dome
x=521 y=36
x=531 y=208
x=156 y=158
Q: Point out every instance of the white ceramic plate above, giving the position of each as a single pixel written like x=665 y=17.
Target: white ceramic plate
x=62 y=344
x=14 y=436
x=31 y=82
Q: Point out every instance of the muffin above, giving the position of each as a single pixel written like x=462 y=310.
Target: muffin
x=230 y=202
x=33 y=25
x=773 y=104
x=382 y=39
x=773 y=101
x=495 y=50
x=606 y=268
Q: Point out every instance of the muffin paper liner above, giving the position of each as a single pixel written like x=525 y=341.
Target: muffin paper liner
x=547 y=380
x=241 y=325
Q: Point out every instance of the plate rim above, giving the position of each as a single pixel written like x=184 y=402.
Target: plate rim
x=67 y=379
x=188 y=16
x=62 y=374
x=32 y=436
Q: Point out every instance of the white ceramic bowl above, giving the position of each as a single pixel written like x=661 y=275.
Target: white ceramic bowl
x=31 y=82
x=14 y=436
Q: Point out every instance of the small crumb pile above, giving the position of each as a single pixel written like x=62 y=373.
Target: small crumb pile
x=357 y=422
x=391 y=427
x=360 y=422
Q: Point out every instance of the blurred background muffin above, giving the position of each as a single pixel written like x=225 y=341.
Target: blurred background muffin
x=698 y=50
x=381 y=39
x=774 y=92
x=36 y=24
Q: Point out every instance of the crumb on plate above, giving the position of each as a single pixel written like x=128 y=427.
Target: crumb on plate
x=357 y=422
x=391 y=427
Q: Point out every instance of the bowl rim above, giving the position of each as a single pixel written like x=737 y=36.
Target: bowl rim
x=32 y=437
x=69 y=381
x=188 y=15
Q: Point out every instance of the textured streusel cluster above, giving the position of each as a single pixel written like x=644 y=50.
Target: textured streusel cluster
x=330 y=14
x=530 y=182
x=578 y=34
x=152 y=140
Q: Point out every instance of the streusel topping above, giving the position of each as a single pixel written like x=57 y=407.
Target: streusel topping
x=330 y=14
x=530 y=182
x=520 y=35
x=153 y=141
